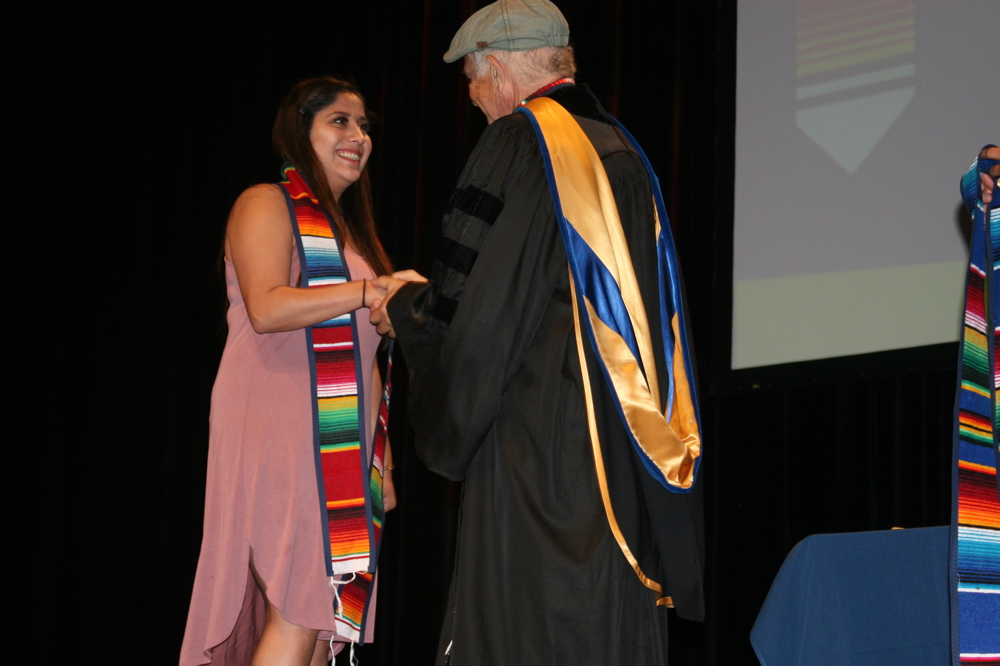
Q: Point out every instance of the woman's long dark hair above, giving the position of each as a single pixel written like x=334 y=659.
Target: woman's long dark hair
x=353 y=219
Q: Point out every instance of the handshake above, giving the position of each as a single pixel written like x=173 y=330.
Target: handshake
x=381 y=290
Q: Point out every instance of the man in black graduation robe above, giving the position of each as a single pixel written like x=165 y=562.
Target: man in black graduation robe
x=496 y=399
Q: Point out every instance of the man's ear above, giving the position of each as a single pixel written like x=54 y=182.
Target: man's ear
x=497 y=71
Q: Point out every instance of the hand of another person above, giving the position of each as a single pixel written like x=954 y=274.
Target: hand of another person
x=987 y=181
x=389 y=284
x=409 y=275
x=373 y=293
x=379 y=317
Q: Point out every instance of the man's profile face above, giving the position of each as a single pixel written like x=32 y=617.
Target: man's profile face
x=483 y=92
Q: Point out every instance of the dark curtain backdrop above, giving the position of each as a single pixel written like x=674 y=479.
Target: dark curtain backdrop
x=142 y=125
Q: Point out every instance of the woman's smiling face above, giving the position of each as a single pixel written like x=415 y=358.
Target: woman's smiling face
x=340 y=139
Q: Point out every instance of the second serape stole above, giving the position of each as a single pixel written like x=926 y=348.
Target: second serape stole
x=355 y=595
x=975 y=549
x=615 y=323
x=350 y=490
x=379 y=441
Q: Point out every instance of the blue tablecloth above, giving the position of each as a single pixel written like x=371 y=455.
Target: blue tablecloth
x=860 y=598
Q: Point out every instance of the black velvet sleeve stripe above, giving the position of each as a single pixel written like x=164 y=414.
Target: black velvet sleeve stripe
x=455 y=256
x=444 y=308
x=477 y=203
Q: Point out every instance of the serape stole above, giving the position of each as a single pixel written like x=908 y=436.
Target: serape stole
x=613 y=314
x=350 y=487
x=975 y=525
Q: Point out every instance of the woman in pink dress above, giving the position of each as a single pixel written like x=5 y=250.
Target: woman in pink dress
x=262 y=594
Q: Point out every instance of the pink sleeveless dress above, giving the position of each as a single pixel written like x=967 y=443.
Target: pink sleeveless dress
x=261 y=492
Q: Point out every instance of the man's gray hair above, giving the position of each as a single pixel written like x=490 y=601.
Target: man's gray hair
x=548 y=62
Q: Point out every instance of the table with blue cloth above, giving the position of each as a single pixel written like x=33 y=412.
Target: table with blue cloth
x=859 y=598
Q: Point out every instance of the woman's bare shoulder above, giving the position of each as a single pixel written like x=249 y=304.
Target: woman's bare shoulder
x=264 y=195
x=259 y=218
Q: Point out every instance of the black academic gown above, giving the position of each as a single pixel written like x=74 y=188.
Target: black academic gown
x=497 y=400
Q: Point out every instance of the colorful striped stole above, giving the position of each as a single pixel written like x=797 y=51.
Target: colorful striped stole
x=350 y=487
x=975 y=525
x=606 y=289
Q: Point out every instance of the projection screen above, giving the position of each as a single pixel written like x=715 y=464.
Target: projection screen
x=854 y=122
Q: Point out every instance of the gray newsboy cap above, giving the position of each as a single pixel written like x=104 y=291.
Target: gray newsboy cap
x=510 y=25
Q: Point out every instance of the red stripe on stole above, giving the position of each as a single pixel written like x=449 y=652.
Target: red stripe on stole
x=978 y=503
x=343 y=484
x=996 y=359
x=349 y=543
x=334 y=365
x=297 y=186
x=977 y=421
x=331 y=335
x=352 y=539
x=330 y=377
x=974 y=295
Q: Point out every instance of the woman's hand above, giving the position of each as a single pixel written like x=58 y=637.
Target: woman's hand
x=372 y=293
x=388 y=487
x=379 y=317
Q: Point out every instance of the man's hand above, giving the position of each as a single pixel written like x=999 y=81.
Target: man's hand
x=390 y=283
x=986 y=181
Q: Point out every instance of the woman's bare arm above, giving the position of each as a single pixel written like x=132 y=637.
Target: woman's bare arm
x=259 y=244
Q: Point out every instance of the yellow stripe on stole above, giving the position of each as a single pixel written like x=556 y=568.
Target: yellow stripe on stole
x=602 y=479
x=672 y=454
x=975 y=388
x=589 y=206
x=343 y=504
x=976 y=467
